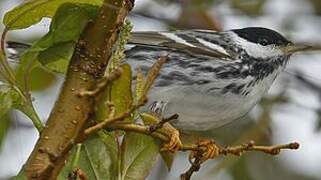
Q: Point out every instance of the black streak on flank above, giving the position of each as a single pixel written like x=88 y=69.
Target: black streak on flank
x=233 y=88
x=176 y=77
x=201 y=82
x=205 y=69
x=163 y=83
x=259 y=68
x=228 y=88
x=238 y=89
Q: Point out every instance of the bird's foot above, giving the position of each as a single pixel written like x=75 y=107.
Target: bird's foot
x=174 y=143
x=207 y=149
x=165 y=128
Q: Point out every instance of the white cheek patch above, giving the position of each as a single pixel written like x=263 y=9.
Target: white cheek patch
x=175 y=38
x=257 y=50
x=212 y=46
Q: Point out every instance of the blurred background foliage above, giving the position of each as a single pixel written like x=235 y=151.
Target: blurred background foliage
x=291 y=111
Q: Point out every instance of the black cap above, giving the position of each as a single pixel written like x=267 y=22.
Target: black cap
x=262 y=36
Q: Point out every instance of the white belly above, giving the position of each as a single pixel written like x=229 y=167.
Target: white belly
x=199 y=110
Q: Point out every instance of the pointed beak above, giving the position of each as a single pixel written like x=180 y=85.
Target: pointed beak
x=293 y=48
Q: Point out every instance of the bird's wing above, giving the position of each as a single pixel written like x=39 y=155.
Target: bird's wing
x=190 y=41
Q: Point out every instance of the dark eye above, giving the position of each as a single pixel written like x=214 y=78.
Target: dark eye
x=263 y=42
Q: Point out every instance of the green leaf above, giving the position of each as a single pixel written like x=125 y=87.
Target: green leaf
x=27 y=62
x=41 y=78
x=96 y=158
x=4 y=125
x=12 y=96
x=32 y=11
x=239 y=169
x=148 y=119
x=9 y=98
x=69 y=21
x=139 y=153
x=20 y=176
x=167 y=157
x=56 y=58
x=140 y=84
x=56 y=47
x=5 y=101
x=119 y=92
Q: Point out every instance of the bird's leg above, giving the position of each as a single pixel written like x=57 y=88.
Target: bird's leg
x=174 y=142
x=163 y=126
x=207 y=149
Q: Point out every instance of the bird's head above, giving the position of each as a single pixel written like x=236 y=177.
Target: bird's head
x=264 y=43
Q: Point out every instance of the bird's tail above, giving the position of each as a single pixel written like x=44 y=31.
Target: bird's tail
x=15 y=49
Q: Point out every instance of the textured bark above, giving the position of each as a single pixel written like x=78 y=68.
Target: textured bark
x=71 y=111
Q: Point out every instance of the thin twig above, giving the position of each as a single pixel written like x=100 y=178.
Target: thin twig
x=8 y=71
x=235 y=150
x=153 y=73
x=198 y=153
x=3 y=40
x=103 y=83
x=199 y=150
x=273 y=150
x=77 y=173
x=195 y=166
x=159 y=125
x=137 y=128
x=111 y=120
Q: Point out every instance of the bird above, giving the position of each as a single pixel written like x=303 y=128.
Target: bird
x=211 y=78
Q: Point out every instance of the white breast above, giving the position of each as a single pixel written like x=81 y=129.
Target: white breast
x=202 y=111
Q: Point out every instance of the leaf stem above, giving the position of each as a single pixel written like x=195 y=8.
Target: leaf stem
x=3 y=60
x=30 y=111
x=75 y=160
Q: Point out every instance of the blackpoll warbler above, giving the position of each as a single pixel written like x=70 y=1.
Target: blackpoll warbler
x=212 y=78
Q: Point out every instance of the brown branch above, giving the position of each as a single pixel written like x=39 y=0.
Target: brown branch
x=71 y=112
x=198 y=150
x=235 y=150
